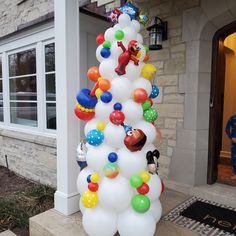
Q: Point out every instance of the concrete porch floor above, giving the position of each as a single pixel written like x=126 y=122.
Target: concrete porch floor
x=52 y=223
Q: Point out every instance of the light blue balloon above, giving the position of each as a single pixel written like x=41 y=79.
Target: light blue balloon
x=95 y=137
x=155 y=91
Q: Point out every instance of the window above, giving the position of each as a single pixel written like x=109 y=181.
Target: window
x=1 y=95
x=23 y=88
x=50 y=85
x=27 y=83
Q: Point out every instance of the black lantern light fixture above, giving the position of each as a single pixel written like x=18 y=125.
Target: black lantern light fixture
x=157 y=33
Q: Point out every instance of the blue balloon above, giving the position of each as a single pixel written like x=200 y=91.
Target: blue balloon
x=95 y=137
x=88 y=179
x=105 y=52
x=130 y=9
x=112 y=157
x=117 y=106
x=155 y=91
x=106 y=97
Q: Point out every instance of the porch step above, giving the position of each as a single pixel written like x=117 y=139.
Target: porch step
x=221 y=193
x=52 y=223
x=7 y=233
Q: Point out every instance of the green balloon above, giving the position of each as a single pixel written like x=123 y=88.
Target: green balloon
x=146 y=105
x=150 y=115
x=136 y=181
x=106 y=44
x=146 y=48
x=119 y=34
x=140 y=203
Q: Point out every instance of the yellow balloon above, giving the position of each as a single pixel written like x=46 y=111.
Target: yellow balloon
x=95 y=177
x=89 y=199
x=148 y=71
x=145 y=176
x=101 y=125
x=98 y=93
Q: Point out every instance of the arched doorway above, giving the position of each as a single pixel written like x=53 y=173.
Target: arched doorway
x=221 y=103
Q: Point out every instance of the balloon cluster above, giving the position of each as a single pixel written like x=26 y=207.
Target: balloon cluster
x=118 y=190
x=130 y=9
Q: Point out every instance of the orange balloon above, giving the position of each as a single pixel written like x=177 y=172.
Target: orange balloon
x=104 y=85
x=146 y=58
x=140 y=95
x=93 y=73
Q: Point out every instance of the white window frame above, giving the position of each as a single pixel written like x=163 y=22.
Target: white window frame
x=32 y=39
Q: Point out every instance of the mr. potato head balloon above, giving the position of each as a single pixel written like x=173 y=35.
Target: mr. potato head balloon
x=135 y=139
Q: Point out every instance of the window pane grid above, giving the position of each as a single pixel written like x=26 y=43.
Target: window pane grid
x=21 y=76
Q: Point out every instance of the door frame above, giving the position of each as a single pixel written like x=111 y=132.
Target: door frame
x=215 y=128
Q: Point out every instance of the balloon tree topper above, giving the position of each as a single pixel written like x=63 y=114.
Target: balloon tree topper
x=127 y=55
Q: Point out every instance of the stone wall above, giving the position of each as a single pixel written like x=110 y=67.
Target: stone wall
x=171 y=63
x=31 y=156
x=16 y=12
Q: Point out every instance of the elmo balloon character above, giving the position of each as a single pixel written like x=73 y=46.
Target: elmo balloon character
x=135 y=139
x=127 y=55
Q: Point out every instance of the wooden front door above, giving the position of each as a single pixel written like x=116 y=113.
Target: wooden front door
x=217 y=100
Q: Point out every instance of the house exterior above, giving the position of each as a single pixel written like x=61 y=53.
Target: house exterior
x=185 y=78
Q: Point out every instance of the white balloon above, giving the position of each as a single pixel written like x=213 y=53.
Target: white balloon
x=82 y=184
x=155 y=188
x=143 y=83
x=131 y=163
x=140 y=38
x=98 y=55
x=110 y=34
x=115 y=194
x=115 y=50
x=114 y=135
x=148 y=128
x=107 y=69
x=156 y=210
x=131 y=223
x=116 y=27
x=90 y=125
x=103 y=111
x=133 y=71
x=124 y=20
x=99 y=222
x=149 y=147
x=121 y=89
x=97 y=157
x=135 y=25
x=130 y=34
x=81 y=206
x=133 y=111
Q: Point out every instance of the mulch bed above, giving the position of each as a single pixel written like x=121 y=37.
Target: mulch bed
x=19 y=200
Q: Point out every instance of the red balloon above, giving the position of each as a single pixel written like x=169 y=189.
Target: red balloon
x=93 y=187
x=100 y=39
x=143 y=189
x=162 y=186
x=83 y=115
x=117 y=117
x=140 y=95
x=150 y=100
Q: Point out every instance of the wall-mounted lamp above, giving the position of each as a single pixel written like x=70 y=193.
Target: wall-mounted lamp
x=157 y=33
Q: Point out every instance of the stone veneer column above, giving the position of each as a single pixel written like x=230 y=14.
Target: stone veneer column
x=190 y=157
x=67 y=67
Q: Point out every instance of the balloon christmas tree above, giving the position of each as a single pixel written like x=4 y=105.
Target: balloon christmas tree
x=118 y=182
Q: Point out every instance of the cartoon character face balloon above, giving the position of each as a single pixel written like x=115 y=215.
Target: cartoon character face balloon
x=135 y=139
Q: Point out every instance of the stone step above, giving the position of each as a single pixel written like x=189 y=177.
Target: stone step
x=53 y=223
x=7 y=233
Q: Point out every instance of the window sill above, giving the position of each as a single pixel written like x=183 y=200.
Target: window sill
x=48 y=140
